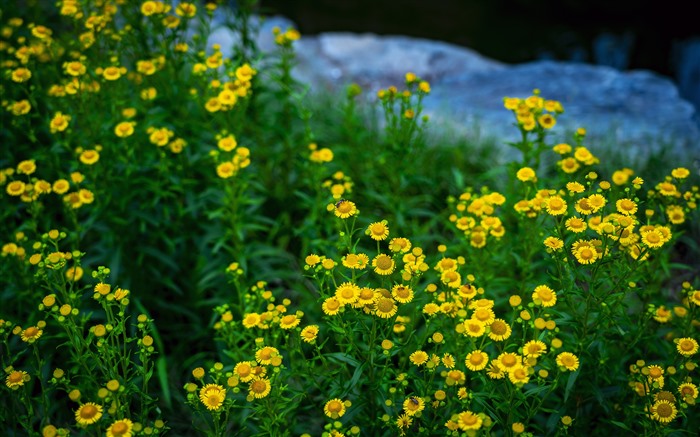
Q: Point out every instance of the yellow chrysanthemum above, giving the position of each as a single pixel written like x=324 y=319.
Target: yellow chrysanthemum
x=378 y=231
x=567 y=360
x=212 y=396
x=259 y=388
x=334 y=408
x=120 y=428
x=476 y=360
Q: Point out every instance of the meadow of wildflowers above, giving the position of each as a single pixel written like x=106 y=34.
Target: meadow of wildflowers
x=194 y=245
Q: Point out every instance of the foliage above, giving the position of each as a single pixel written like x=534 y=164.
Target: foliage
x=194 y=243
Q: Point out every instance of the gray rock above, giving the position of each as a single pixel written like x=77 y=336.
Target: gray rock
x=637 y=111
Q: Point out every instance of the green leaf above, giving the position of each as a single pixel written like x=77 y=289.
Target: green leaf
x=570 y=384
x=162 y=369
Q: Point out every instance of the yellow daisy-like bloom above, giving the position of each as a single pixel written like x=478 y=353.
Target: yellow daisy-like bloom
x=467 y=420
x=383 y=264
x=331 y=306
x=26 y=167
x=687 y=346
x=476 y=360
x=675 y=214
x=347 y=293
x=367 y=297
x=385 y=308
x=562 y=148
x=312 y=260
x=547 y=121
x=15 y=188
x=526 y=174
x=259 y=388
x=309 y=333
x=508 y=361
x=402 y=245
x=89 y=157
x=124 y=129
x=289 y=321
x=418 y=358
x=663 y=411
x=556 y=206
x=499 y=330
x=227 y=143
x=355 y=261
x=626 y=206
x=212 y=396
x=59 y=122
x=484 y=315
x=378 y=231
x=597 y=202
x=251 y=320
x=575 y=224
x=567 y=360
x=345 y=209
x=667 y=189
x=404 y=421
x=413 y=405
x=688 y=390
x=545 y=296
x=334 y=408
x=495 y=371
x=519 y=375
x=652 y=238
x=31 y=334
x=120 y=428
x=226 y=170
x=244 y=371
x=186 y=10
x=16 y=379
x=402 y=293
x=455 y=377
x=569 y=165
x=680 y=173
x=553 y=243
x=265 y=355
x=474 y=328
x=534 y=348
x=585 y=254
x=88 y=413
x=112 y=73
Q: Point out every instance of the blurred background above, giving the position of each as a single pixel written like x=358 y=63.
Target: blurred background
x=624 y=34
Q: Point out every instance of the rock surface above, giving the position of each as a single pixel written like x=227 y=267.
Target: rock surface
x=637 y=110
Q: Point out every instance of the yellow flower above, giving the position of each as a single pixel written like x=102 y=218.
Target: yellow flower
x=383 y=264
x=345 y=209
x=418 y=358
x=309 y=333
x=331 y=306
x=89 y=157
x=59 y=122
x=534 y=348
x=476 y=360
x=88 y=413
x=120 y=428
x=15 y=188
x=553 y=243
x=334 y=408
x=556 y=206
x=244 y=371
x=212 y=396
x=378 y=231
x=567 y=360
x=20 y=107
x=16 y=379
x=545 y=296
x=687 y=346
x=402 y=293
x=467 y=420
x=259 y=388
x=124 y=129
x=413 y=405
x=186 y=10
x=347 y=293
x=526 y=174
x=31 y=334
x=112 y=73
x=680 y=173
x=663 y=411
x=385 y=308
x=265 y=355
